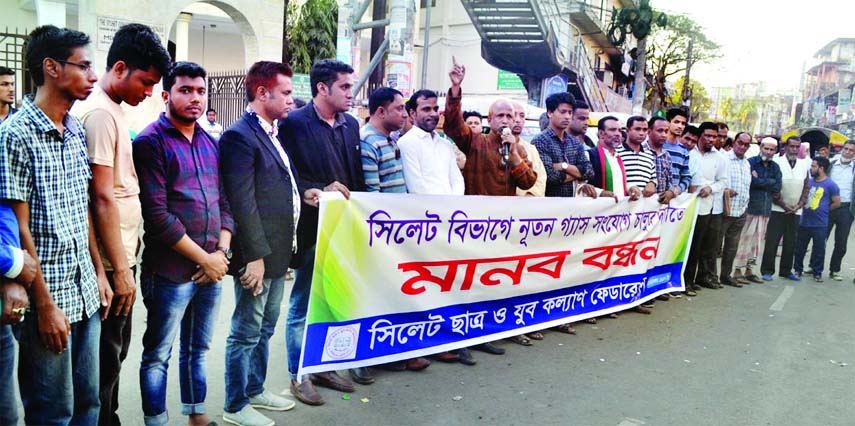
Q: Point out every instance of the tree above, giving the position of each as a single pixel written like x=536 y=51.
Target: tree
x=667 y=52
x=701 y=101
x=313 y=33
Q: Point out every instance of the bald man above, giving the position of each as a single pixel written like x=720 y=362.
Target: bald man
x=539 y=188
x=496 y=164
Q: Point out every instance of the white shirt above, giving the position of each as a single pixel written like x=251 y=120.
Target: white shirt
x=792 y=180
x=214 y=129
x=843 y=174
x=711 y=170
x=430 y=166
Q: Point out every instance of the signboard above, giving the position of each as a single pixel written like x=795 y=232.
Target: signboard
x=402 y=276
x=399 y=76
x=509 y=81
x=302 y=88
x=108 y=26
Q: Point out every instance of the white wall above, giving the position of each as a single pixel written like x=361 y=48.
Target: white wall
x=223 y=51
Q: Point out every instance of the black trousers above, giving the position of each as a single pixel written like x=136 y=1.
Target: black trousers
x=695 y=266
x=731 y=230
x=115 y=341
x=841 y=220
x=709 y=250
x=780 y=225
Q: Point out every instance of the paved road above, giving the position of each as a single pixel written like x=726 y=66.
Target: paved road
x=778 y=354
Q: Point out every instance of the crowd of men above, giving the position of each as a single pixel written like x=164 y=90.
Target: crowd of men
x=76 y=192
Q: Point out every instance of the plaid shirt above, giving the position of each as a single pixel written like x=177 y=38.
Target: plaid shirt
x=181 y=193
x=50 y=171
x=739 y=180
x=664 y=171
x=553 y=150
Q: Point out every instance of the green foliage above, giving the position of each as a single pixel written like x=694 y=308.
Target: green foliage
x=667 y=52
x=740 y=114
x=312 y=33
x=701 y=101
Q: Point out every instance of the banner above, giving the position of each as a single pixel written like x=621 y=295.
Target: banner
x=397 y=277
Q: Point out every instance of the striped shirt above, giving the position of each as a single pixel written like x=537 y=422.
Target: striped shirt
x=681 y=174
x=739 y=180
x=640 y=166
x=381 y=162
x=50 y=171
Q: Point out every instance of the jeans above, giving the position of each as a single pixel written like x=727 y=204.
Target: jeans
x=817 y=253
x=731 y=229
x=247 y=347
x=8 y=402
x=115 y=342
x=60 y=389
x=192 y=308
x=299 y=305
x=780 y=224
x=841 y=220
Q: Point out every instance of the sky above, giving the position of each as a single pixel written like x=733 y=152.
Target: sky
x=764 y=40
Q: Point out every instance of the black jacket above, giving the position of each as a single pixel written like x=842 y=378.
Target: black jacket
x=257 y=183
x=310 y=142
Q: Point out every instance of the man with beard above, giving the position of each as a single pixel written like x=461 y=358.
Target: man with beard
x=842 y=173
x=639 y=163
x=786 y=211
x=7 y=93
x=738 y=192
x=824 y=197
x=323 y=142
x=188 y=231
x=666 y=186
x=608 y=169
x=709 y=181
x=539 y=188
x=765 y=184
x=579 y=123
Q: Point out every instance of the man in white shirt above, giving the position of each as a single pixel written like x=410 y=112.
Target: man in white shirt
x=209 y=123
x=842 y=173
x=430 y=166
x=709 y=181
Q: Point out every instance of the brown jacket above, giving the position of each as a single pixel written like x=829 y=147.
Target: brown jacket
x=483 y=173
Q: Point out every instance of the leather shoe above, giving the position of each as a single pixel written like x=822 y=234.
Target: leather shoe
x=708 y=285
x=445 y=357
x=332 y=380
x=305 y=392
x=465 y=357
x=489 y=348
x=362 y=375
x=642 y=310
x=417 y=364
x=730 y=281
x=394 y=366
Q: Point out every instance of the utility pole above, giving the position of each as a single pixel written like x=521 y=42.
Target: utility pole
x=638 y=91
x=285 y=57
x=687 y=95
x=426 y=49
x=378 y=34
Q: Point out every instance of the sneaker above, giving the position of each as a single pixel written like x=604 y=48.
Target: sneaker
x=836 y=276
x=269 y=401
x=817 y=278
x=795 y=277
x=767 y=277
x=248 y=416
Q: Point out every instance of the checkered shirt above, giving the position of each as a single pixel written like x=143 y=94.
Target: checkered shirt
x=739 y=180
x=664 y=171
x=553 y=150
x=51 y=172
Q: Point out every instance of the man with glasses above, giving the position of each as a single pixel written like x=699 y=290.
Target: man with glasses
x=738 y=192
x=44 y=177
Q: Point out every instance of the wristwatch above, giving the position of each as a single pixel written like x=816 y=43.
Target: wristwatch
x=226 y=251
x=564 y=166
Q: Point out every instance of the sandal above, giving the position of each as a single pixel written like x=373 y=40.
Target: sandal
x=521 y=340
x=566 y=328
x=536 y=335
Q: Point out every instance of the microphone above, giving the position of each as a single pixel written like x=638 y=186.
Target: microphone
x=506 y=146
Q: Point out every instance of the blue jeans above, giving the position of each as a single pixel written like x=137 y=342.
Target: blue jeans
x=299 y=305
x=60 y=389
x=8 y=403
x=193 y=309
x=247 y=347
x=817 y=254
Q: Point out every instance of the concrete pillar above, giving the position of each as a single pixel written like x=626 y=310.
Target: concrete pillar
x=182 y=36
x=50 y=12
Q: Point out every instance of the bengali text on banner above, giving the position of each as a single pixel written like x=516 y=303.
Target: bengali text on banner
x=398 y=277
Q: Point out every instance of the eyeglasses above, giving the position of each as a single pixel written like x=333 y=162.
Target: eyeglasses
x=85 y=67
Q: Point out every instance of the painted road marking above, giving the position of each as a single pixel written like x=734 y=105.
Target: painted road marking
x=782 y=299
x=630 y=422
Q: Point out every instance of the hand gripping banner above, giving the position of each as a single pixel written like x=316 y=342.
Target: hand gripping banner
x=398 y=277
